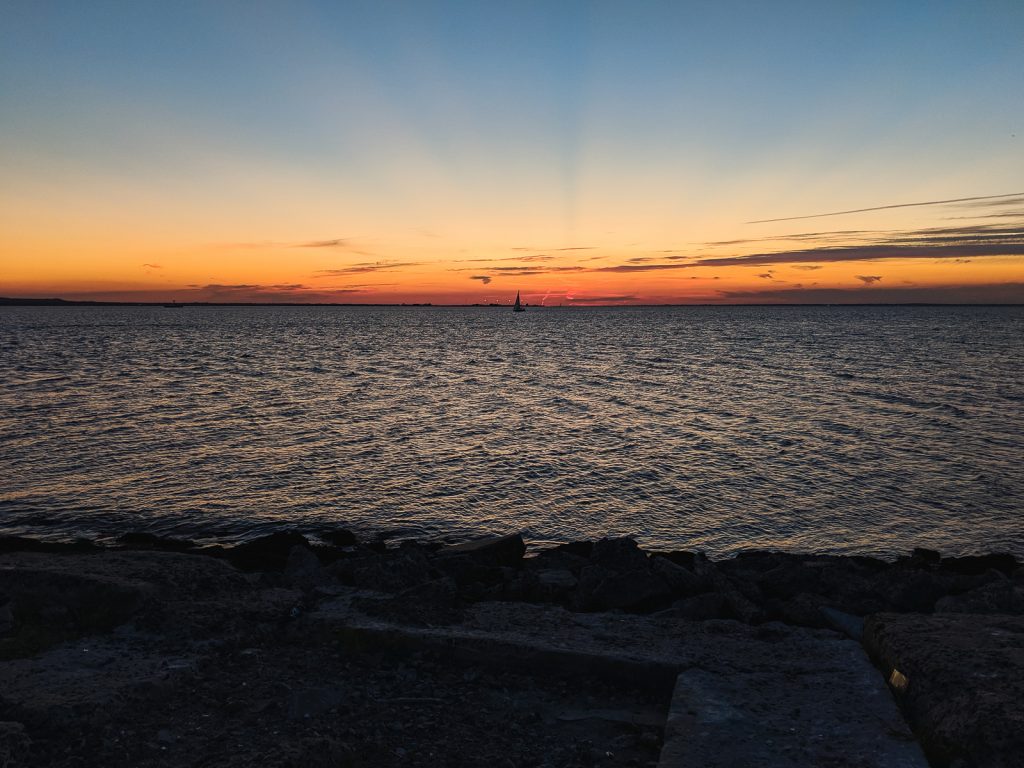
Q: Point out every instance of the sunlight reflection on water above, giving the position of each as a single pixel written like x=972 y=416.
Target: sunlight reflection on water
x=857 y=429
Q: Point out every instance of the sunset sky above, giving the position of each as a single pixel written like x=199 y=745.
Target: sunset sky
x=581 y=152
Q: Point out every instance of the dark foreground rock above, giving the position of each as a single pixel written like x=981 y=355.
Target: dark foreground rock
x=292 y=651
x=960 y=679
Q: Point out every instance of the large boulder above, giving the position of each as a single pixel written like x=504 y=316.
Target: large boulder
x=495 y=550
x=267 y=553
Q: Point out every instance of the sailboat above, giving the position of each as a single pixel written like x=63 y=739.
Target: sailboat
x=518 y=307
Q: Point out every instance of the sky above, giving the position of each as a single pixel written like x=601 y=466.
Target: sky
x=458 y=152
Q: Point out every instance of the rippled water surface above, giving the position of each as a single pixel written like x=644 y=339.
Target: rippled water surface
x=857 y=429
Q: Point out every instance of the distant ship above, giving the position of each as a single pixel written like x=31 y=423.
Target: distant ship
x=518 y=307
x=173 y=305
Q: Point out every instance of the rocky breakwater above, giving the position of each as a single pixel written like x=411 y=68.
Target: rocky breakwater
x=138 y=653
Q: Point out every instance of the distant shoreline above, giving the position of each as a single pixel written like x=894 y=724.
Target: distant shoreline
x=55 y=302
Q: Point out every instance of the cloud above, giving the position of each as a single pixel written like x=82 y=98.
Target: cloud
x=807 y=267
x=267 y=293
x=976 y=201
x=338 y=242
x=571 y=248
x=767 y=275
x=359 y=269
x=485 y=279
x=526 y=271
x=931 y=243
x=152 y=266
x=869 y=279
x=988 y=293
x=641 y=267
x=599 y=299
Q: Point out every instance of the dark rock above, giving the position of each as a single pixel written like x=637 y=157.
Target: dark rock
x=15 y=744
x=685 y=559
x=553 y=585
x=679 y=579
x=802 y=610
x=556 y=559
x=267 y=553
x=577 y=548
x=392 y=572
x=601 y=589
x=143 y=540
x=618 y=555
x=303 y=569
x=709 y=605
x=312 y=702
x=496 y=550
x=851 y=626
x=339 y=537
x=467 y=570
x=960 y=679
x=1001 y=596
x=973 y=565
x=741 y=606
x=925 y=556
x=25 y=544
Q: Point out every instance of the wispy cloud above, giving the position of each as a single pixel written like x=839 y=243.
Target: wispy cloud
x=359 y=269
x=485 y=279
x=869 y=279
x=152 y=266
x=600 y=299
x=989 y=293
x=931 y=243
x=338 y=242
x=981 y=200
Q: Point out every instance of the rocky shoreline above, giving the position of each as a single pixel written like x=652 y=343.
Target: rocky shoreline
x=288 y=650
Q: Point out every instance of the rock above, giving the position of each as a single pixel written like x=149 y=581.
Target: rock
x=925 y=556
x=312 y=702
x=556 y=559
x=468 y=570
x=739 y=604
x=496 y=550
x=618 y=555
x=679 y=579
x=684 y=559
x=960 y=679
x=143 y=540
x=576 y=548
x=602 y=590
x=14 y=744
x=553 y=585
x=974 y=565
x=339 y=537
x=6 y=618
x=1001 y=596
x=709 y=605
x=851 y=626
x=802 y=610
x=303 y=569
x=391 y=572
x=25 y=544
x=267 y=553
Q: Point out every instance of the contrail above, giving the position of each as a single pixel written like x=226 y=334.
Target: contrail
x=885 y=207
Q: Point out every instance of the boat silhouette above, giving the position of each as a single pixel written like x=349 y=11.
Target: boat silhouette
x=518 y=307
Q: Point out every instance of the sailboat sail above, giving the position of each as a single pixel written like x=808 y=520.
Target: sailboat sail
x=518 y=307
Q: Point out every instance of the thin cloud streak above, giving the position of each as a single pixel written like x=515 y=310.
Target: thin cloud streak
x=359 y=269
x=985 y=293
x=889 y=207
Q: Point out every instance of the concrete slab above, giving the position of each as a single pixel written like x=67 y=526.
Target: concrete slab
x=768 y=718
x=960 y=678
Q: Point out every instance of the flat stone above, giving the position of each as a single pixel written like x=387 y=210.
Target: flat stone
x=960 y=678
x=834 y=712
